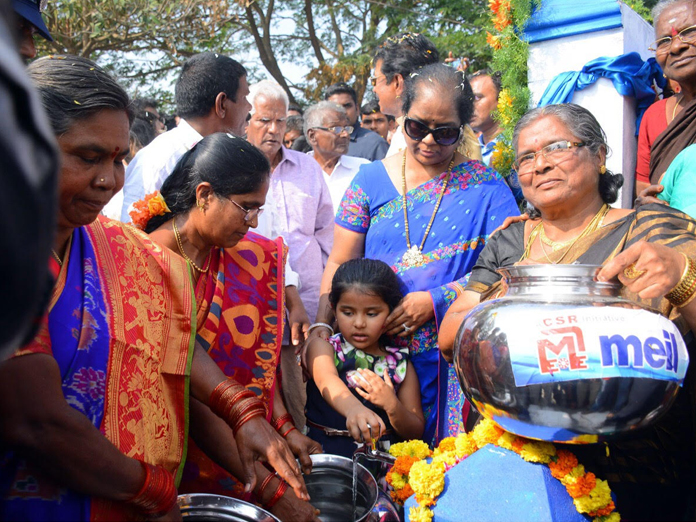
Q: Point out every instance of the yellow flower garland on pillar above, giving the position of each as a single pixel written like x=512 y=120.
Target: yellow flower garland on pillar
x=412 y=473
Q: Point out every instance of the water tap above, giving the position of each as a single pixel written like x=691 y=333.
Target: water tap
x=372 y=454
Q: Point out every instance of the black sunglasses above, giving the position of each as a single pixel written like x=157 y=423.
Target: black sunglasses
x=442 y=135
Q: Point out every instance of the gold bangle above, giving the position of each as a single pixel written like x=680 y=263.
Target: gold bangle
x=685 y=290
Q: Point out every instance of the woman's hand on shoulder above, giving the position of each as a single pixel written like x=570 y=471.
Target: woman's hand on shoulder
x=302 y=447
x=364 y=424
x=291 y=509
x=414 y=310
x=378 y=391
x=650 y=270
x=648 y=195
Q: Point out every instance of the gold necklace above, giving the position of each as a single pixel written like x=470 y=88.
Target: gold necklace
x=674 y=111
x=181 y=249
x=57 y=257
x=414 y=254
x=593 y=225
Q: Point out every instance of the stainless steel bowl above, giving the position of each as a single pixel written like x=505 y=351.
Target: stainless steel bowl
x=530 y=360
x=330 y=485
x=201 y=506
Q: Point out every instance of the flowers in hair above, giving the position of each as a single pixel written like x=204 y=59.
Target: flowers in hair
x=143 y=210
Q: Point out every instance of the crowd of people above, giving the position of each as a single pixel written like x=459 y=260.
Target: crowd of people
x=248 y=283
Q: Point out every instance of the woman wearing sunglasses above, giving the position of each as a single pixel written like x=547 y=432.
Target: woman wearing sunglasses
x=426 y=212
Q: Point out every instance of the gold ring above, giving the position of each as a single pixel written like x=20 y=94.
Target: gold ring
x=631 y=272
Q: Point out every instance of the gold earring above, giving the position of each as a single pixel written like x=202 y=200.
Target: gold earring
x=398 y=96
x=200 y=205
x=603 y=169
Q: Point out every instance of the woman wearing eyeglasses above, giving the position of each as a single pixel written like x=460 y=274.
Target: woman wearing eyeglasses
x=561 y=152
x=669 y=125
x=204 y=214
x=452 y=204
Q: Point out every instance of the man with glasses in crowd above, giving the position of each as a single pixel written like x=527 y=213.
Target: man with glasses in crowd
x=327 y=131
x=363 y=143
x=300 y=203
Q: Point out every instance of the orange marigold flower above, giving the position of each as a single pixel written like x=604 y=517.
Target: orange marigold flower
x=493 y=41
x=565 y=462
x=606 y=510
x=582 y=485
x=403 y=464
x=517 y=445
x=151 y=205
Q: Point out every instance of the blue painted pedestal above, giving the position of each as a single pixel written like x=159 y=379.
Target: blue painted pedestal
x=495 y=484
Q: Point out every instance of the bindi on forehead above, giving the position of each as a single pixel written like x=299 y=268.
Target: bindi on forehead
x=115 y=152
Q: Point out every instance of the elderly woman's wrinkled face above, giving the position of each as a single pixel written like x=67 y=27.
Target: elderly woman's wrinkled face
x=561 y=180
x=92 y=151
x=678 y=60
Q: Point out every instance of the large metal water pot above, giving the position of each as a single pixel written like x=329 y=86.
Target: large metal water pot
x=330 y=485
x=563 y=358
x=198 y=507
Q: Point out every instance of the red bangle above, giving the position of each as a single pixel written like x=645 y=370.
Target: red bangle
x=283 y=419
x=265 y=483
x=287 y=432
x=282 y=488
x=235 y=404
x=157 y=495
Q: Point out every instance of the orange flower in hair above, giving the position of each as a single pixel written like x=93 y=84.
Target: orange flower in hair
x=143 y=210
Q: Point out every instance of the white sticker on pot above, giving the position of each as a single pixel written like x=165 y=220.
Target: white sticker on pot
x=568 y=344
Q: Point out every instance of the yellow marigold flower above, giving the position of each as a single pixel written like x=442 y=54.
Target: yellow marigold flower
x=427 y=480
x=487 y=432
x=506 y=440
x=599 y=497
x=412 y=448
x=493 y=41
x=464 y=445
x=537 y=451
x=397 y=480
x=420 y=514
x=448 y=458
x=613 y=517
x=446 y=444
x=575 y=473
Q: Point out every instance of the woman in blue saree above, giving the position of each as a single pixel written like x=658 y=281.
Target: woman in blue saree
x=452 y=204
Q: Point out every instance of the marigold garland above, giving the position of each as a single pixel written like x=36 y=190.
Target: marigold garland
x=143 y=210
x=510 y=52
x=412 y=473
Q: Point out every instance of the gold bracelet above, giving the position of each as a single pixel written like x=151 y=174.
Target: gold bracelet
x=685 y=290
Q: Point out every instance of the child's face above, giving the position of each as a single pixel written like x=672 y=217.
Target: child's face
x=361 y=317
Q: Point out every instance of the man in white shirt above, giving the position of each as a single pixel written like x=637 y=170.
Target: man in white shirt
x=210 y=97
x=327 y=131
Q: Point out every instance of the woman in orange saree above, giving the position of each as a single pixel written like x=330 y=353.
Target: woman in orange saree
x=204 y=213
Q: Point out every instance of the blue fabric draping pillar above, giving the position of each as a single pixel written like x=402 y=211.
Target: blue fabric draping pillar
x=630 y=75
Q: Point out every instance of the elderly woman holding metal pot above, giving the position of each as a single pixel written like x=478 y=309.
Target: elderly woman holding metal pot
x=561 y=152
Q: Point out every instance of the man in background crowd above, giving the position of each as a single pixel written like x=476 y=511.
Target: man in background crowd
x=486 y=87
x=375 y=120
x=363 y=143
x=210 y=97
x=30 y=23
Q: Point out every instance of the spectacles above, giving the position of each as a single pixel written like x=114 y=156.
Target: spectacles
x=375 y=79
x=442 y=135
x=249 y=213
x=663 y=45
x=151 y=117
x=337 y=129
x=553 y=153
